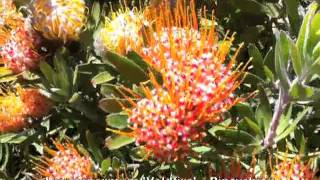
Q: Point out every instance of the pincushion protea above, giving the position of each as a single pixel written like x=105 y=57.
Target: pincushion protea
x=10 y=19
x=19 y=43
x=120 y=32
x=65 y=163
x=197 y=84
x=59 y=19
x=20 y=51
x=292 y=169
x=16 y=107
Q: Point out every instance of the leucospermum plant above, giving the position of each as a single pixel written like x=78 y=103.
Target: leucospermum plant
x=180 y=100
x=198 y=84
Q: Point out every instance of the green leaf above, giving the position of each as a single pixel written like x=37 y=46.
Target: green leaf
x=116 y=163
x=292 y=7
x=94 y=146
x=296 y=59
x=138 y=154
x=5 y=154
x=47 y=71
x=105 y=165
x=264 y=112
x=254 y=127
x=236 y=136
x=126 y=67
x=257 y=60
x=138 y=60
x=313 y=38
x=118 y=141
x=284 y=121
x=253 y=7
x=245 y=110
x=300 y=92
x=5 y=138
x=110 y=90
x=292 y=125
x=118 y=121
x=63 y=76
x=95 y=12
x=101 y=78
x=281 y=60
x=304 y=30
x=112 y=105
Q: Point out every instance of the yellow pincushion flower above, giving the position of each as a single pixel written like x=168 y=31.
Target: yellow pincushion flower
x=59 y=19
x=10 y=19
x=16 y=106
x=121 y=32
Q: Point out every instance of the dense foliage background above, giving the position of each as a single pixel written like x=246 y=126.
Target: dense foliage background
x=281 y=40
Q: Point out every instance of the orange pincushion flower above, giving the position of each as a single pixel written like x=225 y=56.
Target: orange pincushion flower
x=292 y=169
x=16 y=107
x=19 y=52
x=197 y=84
x=19 y=43
x=65 y=163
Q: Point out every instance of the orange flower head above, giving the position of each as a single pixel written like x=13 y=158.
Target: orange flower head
x=65 y=163
x=16 y=107
x=198 y=83
x=164 y=128
x=292 y=169
x=60 y=19
x=19 y=52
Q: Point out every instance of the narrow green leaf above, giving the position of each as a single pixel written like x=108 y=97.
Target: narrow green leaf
x=101 y=78
x=292 y=7
x=5 y=138
x=112 y=105
x=116 y=163
x=257 y=60
x=300 y=92
x=118 y=121
x=284 y=121
x=236 y=136
x=118 y=141
x=264 y=112
x=126 y=67
x=304 y=30
x=292 y=126
x=94 y=146
x=95 y=12
x=296 y=59
x=254 y=126
x=47 y=71
x=105 y=165
x=281 y=59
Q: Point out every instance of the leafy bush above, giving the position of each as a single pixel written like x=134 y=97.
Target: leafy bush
x=132 y=89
